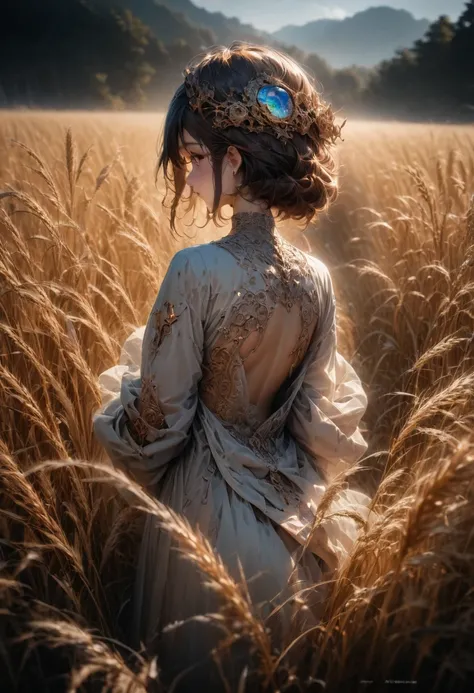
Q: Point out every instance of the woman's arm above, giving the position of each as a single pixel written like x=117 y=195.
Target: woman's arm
x=148 y=423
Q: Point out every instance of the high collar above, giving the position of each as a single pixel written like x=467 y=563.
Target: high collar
x=253 y=221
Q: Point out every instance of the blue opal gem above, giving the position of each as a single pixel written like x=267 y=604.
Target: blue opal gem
x=277 y=100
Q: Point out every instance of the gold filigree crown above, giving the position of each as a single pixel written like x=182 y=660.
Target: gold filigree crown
x=265 y=105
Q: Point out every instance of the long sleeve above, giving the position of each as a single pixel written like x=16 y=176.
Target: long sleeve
x=148 y=423
x=328 y=408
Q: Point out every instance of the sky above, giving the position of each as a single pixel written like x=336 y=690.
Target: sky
x=270 y=15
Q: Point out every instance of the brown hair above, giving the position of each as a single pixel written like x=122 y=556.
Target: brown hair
x=297 y=177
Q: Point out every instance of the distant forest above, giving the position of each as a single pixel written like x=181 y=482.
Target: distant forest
x=98 y=54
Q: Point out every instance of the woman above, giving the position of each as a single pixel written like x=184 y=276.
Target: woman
x=233 y=405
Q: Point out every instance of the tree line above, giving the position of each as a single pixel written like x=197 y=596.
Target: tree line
x=88 y=54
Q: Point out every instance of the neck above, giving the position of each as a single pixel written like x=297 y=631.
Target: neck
x=241 y=205
x=253 y=221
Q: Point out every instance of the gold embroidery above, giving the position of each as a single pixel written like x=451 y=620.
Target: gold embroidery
x=150 y=413
x=163 y=325
x=288 y=490
x=220 y=386
x=288 y=279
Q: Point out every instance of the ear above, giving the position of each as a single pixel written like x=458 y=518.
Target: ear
x=234 y=157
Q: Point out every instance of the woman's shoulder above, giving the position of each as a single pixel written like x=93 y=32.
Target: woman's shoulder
x=209 y=259
x=320 y=266
x=205 y=256
x=202 y=265
x=193 y=258
x=197 y=253
x=319 y=269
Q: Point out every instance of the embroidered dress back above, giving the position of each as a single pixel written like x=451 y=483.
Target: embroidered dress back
x=234 y=407
x=266 y=331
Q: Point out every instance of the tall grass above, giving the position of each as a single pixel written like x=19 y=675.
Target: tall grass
x=83 y=247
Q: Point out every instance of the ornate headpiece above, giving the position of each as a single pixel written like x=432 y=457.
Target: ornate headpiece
x=266 y=104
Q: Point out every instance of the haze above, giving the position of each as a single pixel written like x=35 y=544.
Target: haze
x=270 y=15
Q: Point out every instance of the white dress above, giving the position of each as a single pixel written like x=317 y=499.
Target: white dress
x=234 y=407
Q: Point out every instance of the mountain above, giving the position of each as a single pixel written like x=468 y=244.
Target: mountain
x=92 y=53
x=225 y=29
x=364 y=39
x=166 y=24
x=85 y=53
x=170 y=20
x=175 y=20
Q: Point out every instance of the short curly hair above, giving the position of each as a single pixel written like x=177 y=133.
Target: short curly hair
x=296 y=177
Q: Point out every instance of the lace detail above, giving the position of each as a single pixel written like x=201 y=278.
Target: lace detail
x=266 y=449
x=254 y=241
x=150 y=413
x=286 y=271
x=221 y=384
x=256 y=221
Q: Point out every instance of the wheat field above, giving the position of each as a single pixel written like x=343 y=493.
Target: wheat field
x=84 y=244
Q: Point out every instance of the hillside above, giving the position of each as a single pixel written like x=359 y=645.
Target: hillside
x=181 y=19
x=364 y=39
x=164 y=21
x=70 y=53
x=87 y=53
x=225 y=29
